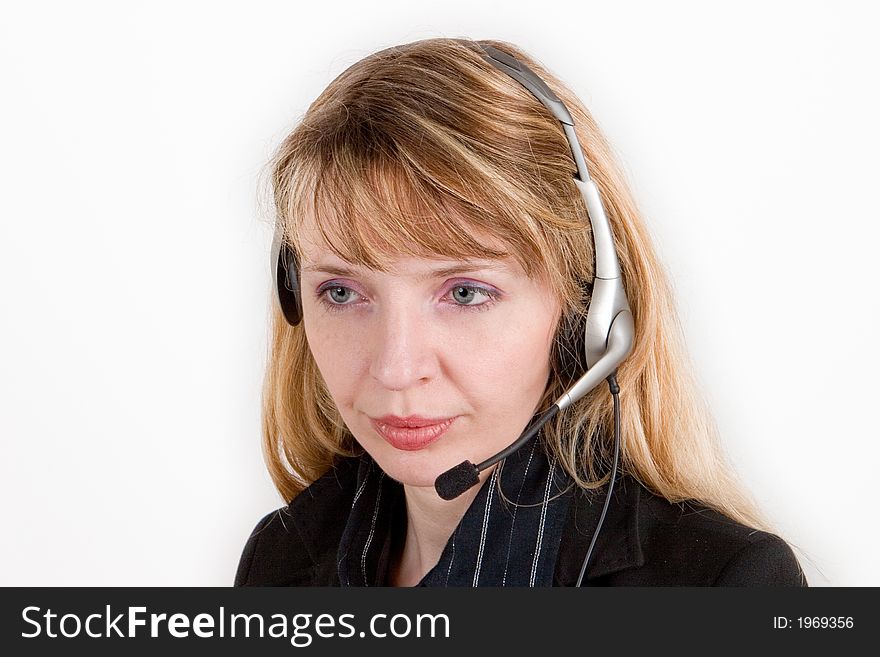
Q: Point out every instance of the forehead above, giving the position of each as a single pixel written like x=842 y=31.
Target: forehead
x=326 y=251
x=421 y=269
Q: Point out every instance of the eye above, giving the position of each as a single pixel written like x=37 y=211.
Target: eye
x=334 y=297
x=467 y=293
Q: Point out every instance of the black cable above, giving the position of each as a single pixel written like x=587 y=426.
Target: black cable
x=615 y=390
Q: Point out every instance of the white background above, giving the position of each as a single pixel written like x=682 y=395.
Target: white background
x=135 y=278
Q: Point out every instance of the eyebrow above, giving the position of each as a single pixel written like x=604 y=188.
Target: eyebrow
x=435 y=273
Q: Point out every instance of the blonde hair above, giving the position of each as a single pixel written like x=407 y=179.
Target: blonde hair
x=414 y=149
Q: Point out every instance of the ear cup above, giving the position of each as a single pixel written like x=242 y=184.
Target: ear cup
x=287 y=285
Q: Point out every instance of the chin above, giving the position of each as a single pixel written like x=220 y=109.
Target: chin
x=416 y=468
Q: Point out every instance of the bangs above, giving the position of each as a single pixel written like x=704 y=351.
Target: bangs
x=370 y=213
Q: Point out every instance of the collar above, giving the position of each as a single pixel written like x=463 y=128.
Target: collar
x=509 y=536
x=323 y=516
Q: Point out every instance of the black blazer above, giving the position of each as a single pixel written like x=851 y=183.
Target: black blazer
x=645 y=540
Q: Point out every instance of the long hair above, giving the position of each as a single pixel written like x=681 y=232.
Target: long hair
x=413 y=149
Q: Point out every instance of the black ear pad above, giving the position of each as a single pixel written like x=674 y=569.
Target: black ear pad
x=570 y=353
x=287 y=285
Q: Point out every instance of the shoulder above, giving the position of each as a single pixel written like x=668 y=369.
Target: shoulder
x=296 y=544
x=699 y=546
x=646 y=540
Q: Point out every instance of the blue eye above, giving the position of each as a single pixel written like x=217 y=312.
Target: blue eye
x=470 y=290
x=337 y=288
x=334 y=297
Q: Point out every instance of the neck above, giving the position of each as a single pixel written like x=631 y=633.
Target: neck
x=431 y=521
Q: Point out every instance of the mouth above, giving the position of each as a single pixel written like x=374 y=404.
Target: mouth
x=411 y=439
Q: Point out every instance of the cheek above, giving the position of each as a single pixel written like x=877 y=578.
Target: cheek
x=505 y=365
x=334 y=352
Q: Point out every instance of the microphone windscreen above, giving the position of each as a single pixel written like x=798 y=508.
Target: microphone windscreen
x=457 y=480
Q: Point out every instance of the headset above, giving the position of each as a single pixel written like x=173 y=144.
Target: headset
x=608 y=330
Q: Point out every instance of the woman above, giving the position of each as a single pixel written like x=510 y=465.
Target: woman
x=442 y=262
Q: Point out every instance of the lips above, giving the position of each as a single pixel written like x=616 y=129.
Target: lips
x=411 y=433
x=411 y=421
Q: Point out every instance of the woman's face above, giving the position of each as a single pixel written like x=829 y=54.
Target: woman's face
x=472 y=345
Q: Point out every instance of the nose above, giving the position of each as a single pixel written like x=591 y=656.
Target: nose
x=402 y=350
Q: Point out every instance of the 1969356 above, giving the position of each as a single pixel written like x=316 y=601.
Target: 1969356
x=813 y=622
